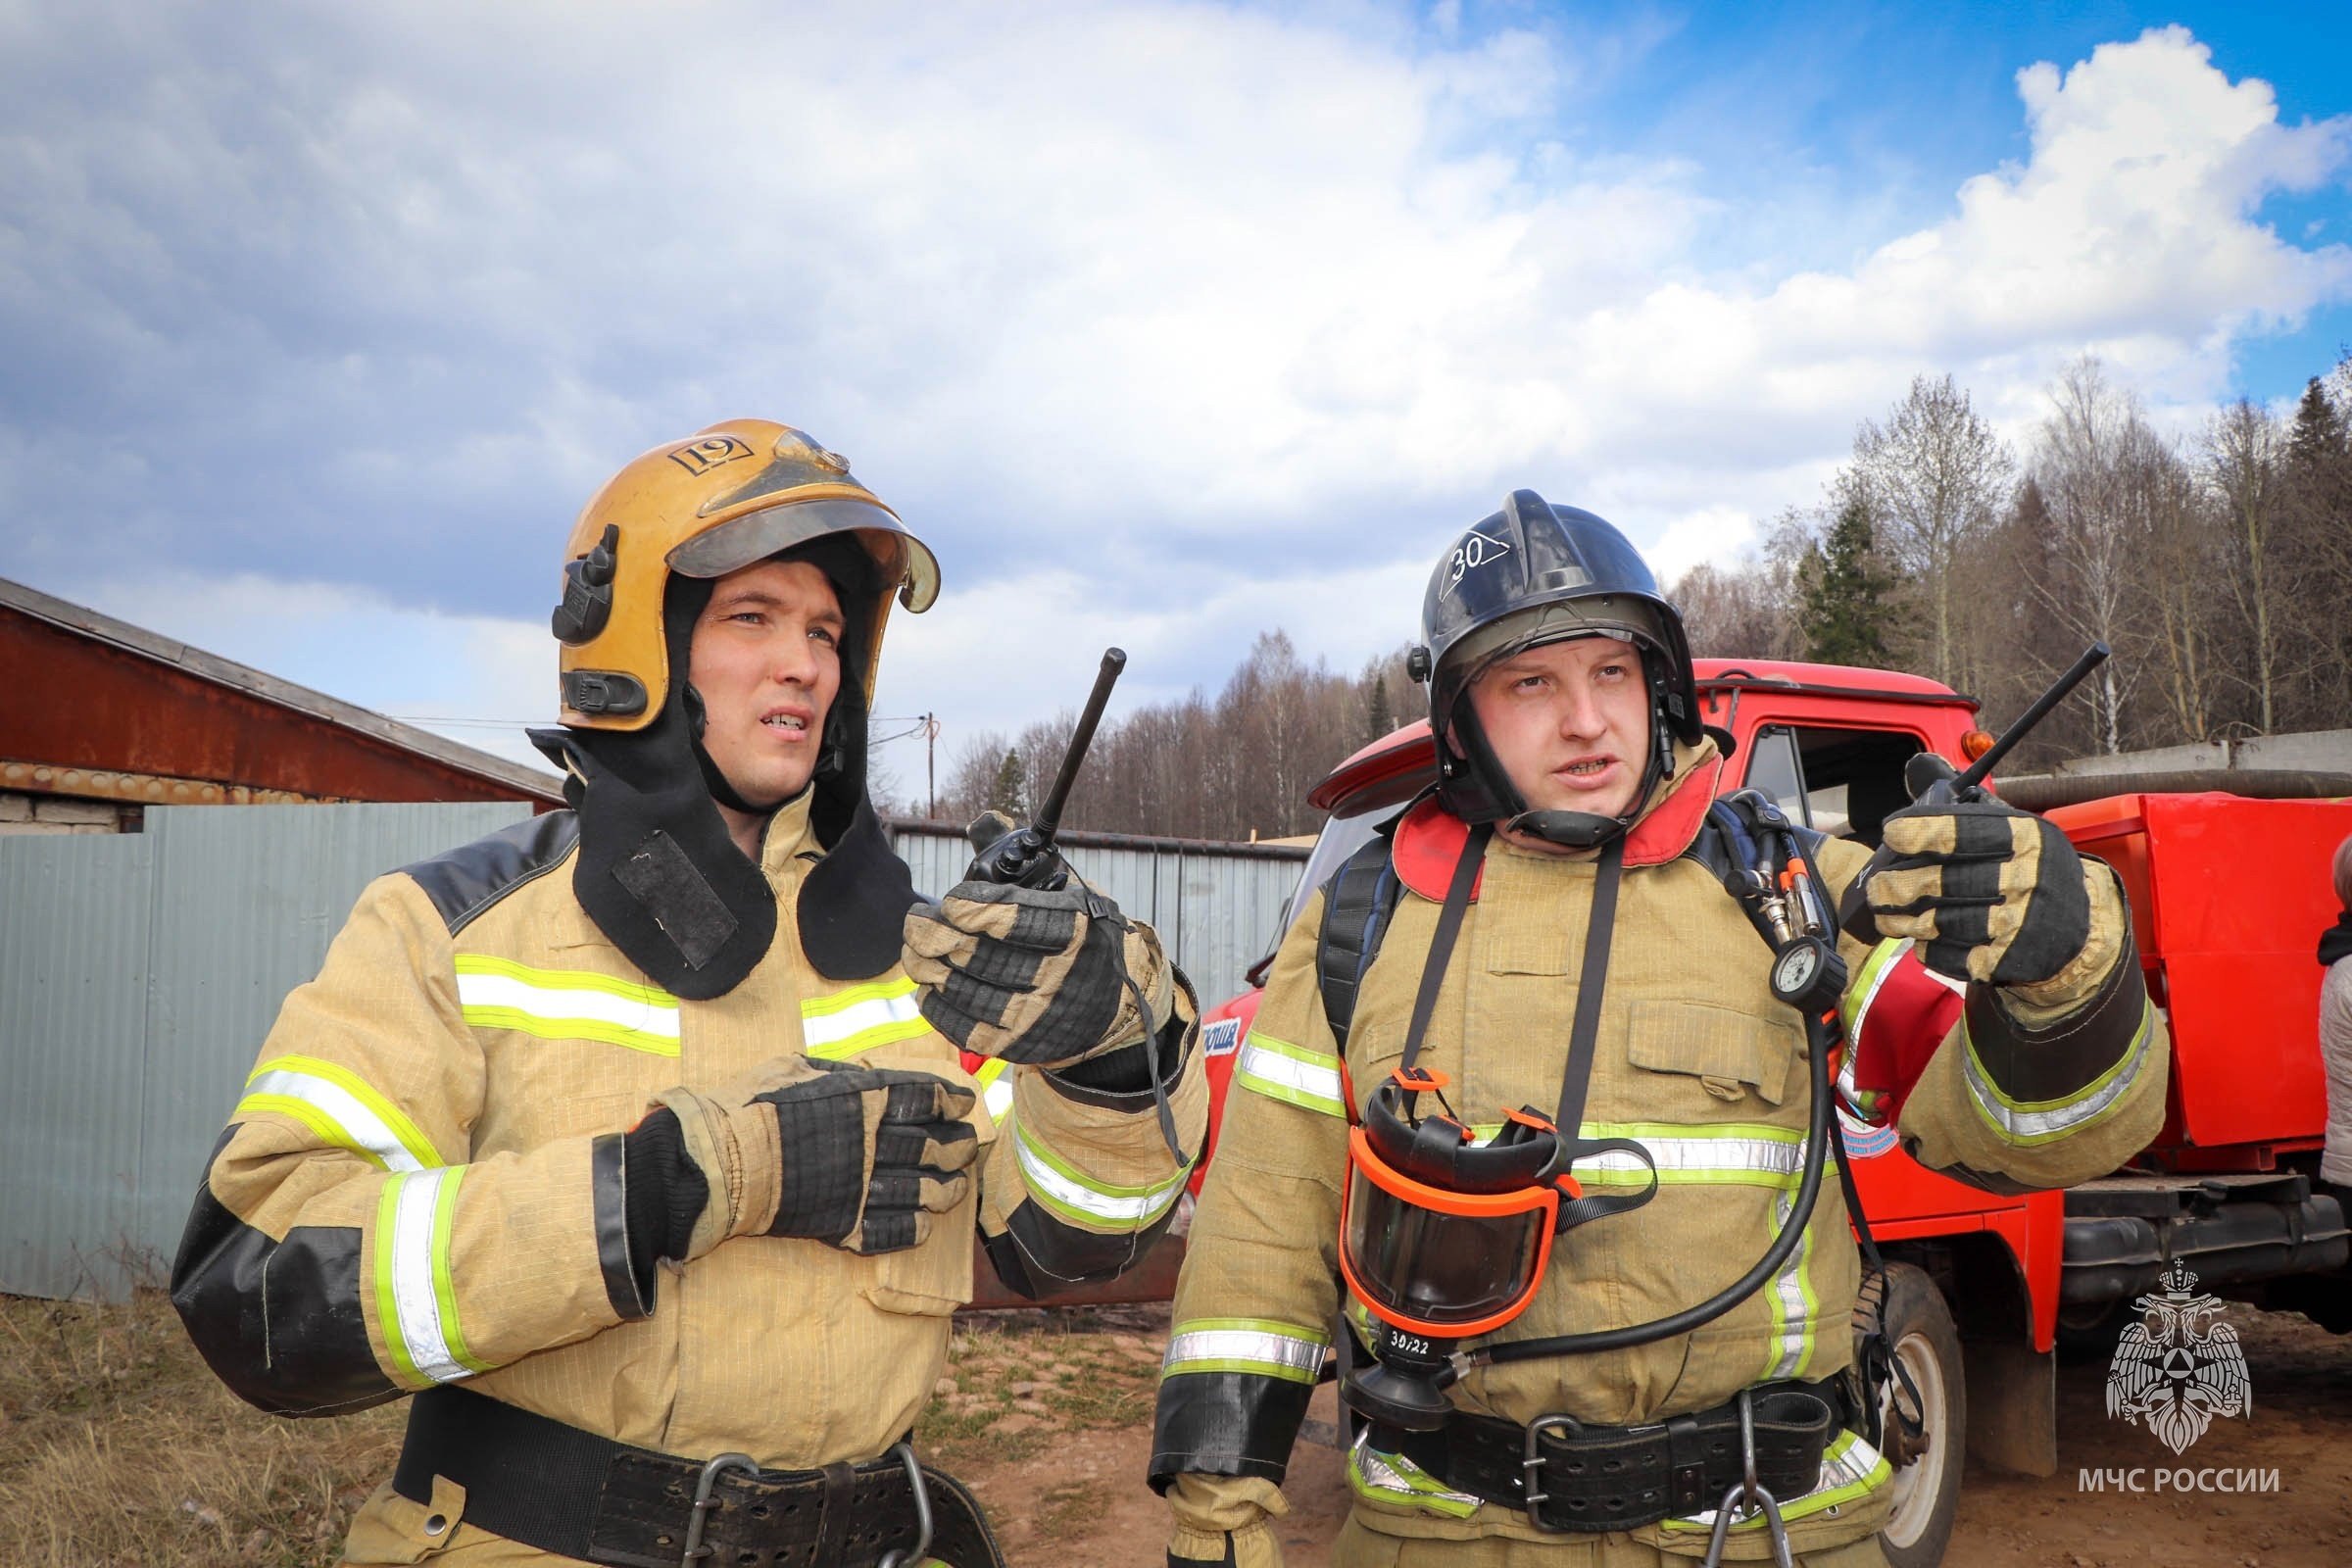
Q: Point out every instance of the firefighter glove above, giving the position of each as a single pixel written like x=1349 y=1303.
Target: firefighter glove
x=1988 y=891
x=1037 y=977
x=861 y=1157
x=1254 y=1548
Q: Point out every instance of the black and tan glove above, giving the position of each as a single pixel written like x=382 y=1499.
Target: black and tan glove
x=1987 y=891
x=1042 y=978
x=859 y=1157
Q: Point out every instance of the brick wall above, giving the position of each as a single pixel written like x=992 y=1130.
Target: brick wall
x=61 y=813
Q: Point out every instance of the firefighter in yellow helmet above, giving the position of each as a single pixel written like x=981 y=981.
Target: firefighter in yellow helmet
x=633 y=1141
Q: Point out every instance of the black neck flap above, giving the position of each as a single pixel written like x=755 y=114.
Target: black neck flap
x=854 y=902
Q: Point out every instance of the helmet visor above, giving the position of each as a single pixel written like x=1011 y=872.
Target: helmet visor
x=905 y=561
x=1437 y=1261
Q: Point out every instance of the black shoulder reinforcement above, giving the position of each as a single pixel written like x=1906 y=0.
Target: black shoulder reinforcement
x=2061 y=1059
x=469 y=879
x=1225 y=1424
x=1358 y=902
x=279 y=1322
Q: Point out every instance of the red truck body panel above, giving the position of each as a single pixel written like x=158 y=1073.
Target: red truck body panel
x=2227 y=899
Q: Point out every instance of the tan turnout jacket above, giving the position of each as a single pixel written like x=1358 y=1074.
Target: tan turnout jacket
x=424 y=1182
x=1697 y=1059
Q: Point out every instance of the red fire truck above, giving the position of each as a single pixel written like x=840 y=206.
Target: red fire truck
x=2228 y=896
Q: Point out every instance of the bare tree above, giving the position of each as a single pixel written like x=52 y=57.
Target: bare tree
x=2241 y=449
x=2083 y=457
x=1933 y=477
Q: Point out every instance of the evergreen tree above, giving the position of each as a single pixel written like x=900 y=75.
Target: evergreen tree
x=1379 y=718
x=1845 y=620
x=1006 y=793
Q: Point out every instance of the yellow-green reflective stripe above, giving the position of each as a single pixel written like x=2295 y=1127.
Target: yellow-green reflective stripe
x=1794 y=1305
x=338 y=1106
x=1393 y=1477
x=1257 y=1345
x=2026 y=1123
x=563 y=980
x=996 y=1087
x=1850 y=1468
x=565 y=1005
x=1856 y=1004
x=1293 y=1074
x=415 y=1302
x=838 y=1026
x=1062 y=1188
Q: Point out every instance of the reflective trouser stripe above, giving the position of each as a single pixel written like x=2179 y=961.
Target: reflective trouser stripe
x=1794 y=1305
x=341 y=1107
x=567 y=1004
x=1290 y=1073
x=1850 y=1468
x=837 y=1027
x=1393 y=1477
x=995 y=1079
x=2026 y=1123
x=1258 y=1345
x=1074 y=1196
x=1734 y=1153
x=415 y=1301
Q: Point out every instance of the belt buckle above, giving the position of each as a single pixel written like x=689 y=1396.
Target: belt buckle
x=923 y=1512
x=704 y=1502
x=1531 y=1467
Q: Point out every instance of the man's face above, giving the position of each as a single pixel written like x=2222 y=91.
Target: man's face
x=1570 y=724
x=767 y=659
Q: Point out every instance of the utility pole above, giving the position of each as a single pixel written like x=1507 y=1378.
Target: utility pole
x=931 y=765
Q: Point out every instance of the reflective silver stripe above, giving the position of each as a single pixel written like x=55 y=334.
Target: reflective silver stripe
x=995 y=1079
x=2029 y=1122
x=841 y=1025
x=417 y=1293
x=1792 y=1304
x=334 y=1102
x=1076 y=1196
x=1291 y=1073
x=1764 y=1155
x=1244 y=1344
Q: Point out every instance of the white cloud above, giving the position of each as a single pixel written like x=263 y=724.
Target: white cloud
x=1163 y=323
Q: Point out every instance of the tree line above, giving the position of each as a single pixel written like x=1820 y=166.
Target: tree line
x=2218 y=564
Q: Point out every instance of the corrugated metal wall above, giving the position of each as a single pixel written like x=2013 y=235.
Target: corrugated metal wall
x=137 y=977
x=1219 y=911
x=140 y=973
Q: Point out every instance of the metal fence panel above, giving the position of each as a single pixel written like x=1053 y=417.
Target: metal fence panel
x=73 y=939
x=138 y=975
x=247 y=900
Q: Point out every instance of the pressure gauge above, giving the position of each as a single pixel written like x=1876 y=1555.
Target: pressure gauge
x=1808 y=975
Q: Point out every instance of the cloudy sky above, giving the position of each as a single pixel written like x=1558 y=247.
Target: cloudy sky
x=1164 y=323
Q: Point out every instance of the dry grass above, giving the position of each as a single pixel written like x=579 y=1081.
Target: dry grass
x=118 y=1448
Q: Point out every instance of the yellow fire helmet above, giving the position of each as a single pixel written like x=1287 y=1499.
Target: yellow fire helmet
x=733 y=494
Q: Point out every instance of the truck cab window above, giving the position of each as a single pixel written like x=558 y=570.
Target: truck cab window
x=1842 y=782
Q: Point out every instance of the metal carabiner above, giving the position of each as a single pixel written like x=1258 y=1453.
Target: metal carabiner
x=914 y=1557
x=1748 y=1493
x=704 y=1502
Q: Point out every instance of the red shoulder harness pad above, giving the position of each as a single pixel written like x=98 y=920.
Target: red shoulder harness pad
x=1429 y=841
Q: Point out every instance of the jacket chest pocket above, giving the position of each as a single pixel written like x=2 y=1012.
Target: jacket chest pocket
x=1697 y=1059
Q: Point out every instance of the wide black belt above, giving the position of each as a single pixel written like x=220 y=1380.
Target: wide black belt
x=548 y=1485
x=1589 y=1478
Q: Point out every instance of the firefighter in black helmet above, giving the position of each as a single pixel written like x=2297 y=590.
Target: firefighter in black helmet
x=1542 y=954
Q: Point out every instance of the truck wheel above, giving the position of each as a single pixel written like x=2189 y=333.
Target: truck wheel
x=2087 y=1335
x=1927 y=1491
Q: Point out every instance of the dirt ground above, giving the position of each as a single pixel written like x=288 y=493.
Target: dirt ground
x=117 y=1448
x=1076 y=1497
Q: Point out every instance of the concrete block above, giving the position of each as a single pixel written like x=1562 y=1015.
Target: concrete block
x=103 y=814
x=15 y=807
